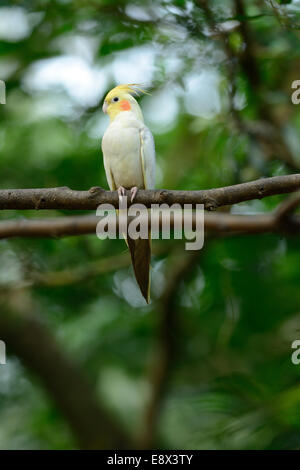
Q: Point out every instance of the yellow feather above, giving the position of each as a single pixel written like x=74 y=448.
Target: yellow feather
x=130 y=88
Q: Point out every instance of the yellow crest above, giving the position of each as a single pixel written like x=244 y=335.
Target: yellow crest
x=130 y=88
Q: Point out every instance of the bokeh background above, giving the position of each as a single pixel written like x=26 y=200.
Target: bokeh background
x=207 y=365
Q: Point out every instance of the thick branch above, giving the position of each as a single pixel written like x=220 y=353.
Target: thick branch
x=66 y=198
x=35 y=345
x=167 y=349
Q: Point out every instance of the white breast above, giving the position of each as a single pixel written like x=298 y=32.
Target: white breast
x=121 y=151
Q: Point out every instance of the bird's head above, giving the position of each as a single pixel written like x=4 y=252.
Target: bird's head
x=121 y=99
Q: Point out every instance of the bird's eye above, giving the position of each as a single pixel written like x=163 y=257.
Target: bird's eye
x=115 y=99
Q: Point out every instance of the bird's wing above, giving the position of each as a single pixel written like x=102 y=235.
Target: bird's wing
x=147 y=154
x=140 y=249
x=109 y=176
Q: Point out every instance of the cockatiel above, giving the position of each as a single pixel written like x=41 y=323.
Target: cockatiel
x=129 y=162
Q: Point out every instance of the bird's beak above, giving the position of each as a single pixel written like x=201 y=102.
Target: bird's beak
x=104 y=107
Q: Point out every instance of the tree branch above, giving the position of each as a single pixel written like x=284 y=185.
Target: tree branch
x=283 y=214
x=288 y=206
x=266 y=130
x=167 y=343
x=68 y=199
x=78 y=274
x=27 y=337
x=80 y=225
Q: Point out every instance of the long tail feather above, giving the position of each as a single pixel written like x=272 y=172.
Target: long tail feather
x=140 y=251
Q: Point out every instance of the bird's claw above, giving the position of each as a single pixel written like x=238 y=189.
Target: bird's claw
x=121 y=193
x=133 y=192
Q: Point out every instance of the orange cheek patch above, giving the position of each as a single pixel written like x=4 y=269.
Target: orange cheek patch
x=125 y=105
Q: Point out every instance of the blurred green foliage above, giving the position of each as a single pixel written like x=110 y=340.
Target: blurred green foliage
x=233 y=384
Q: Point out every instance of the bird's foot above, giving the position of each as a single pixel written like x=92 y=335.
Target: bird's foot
x=133 y=192
x=121 y=193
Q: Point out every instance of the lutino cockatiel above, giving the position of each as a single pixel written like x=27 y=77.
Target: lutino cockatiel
x=129 y=162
